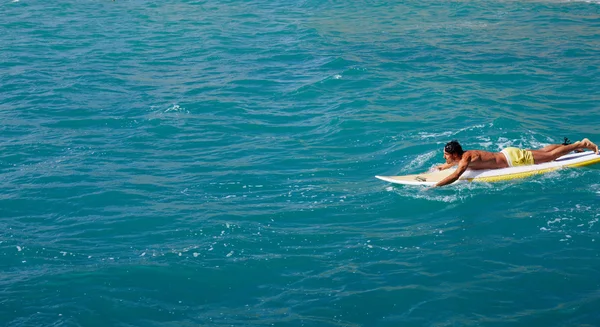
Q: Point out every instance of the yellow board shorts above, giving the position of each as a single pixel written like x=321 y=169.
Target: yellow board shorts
x=518 y=157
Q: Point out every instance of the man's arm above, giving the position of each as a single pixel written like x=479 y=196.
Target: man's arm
x=444 y=166
x=462 y=166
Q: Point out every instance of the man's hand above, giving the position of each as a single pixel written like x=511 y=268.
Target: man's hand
x=443 y=167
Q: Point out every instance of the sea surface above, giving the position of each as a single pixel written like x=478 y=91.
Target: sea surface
x=212 y=163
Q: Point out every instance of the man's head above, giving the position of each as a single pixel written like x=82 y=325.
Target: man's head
x=453 y=151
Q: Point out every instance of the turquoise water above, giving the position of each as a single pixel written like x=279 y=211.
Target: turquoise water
x=211 y=163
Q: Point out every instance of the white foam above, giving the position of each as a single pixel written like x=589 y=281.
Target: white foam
x=448 y=133
x=556 y=220
x=486 y=145
x=425 y=135
x=420 y=160
x=530 y=142
x=437 y=198
x=503 y=142
x=19 y=248
x=175 y=108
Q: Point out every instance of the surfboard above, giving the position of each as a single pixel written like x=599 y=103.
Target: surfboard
x=495 y=175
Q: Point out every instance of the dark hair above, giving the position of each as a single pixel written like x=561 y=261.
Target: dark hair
x=453 y=147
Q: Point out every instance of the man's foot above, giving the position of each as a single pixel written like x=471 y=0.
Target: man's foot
x=586 y=143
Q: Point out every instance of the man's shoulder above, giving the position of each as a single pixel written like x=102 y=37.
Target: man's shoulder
x=478 y=152
x=478 y=155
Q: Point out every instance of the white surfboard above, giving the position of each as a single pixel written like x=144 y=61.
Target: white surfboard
x=495 y=175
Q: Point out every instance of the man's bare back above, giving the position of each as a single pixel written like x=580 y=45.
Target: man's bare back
x=485 y=160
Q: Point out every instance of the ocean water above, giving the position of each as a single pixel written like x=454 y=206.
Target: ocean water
x=211 y=163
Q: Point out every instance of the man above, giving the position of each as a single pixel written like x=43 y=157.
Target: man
x=509 y=157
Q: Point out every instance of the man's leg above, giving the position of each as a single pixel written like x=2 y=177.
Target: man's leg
x=541 y=156
x=554 y=146
x=547 y=148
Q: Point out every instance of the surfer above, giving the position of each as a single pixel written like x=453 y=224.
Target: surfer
x=508 y=157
